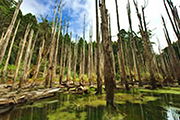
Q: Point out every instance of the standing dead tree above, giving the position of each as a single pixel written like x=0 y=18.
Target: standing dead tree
x=49 y=76
x=123 y=75
x=39 y=59
x=133 y=46
x=175 y=62
x=21 y=54
x=69 y=60
x=57 y=43
x=147 y=47
x=9 y=53
x=175 y=21
x=108 y=60
x=75 y=60
x=24 y=68
x=83 y=54
x=4 y=42
x=62 y=52
x=98 y=72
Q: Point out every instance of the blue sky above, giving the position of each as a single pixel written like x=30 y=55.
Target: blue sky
x=78 y=8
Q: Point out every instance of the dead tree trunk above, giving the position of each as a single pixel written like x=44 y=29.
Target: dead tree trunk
x=49 y=77
x=21 y=54
x=176 y=21
x=123 y=76
x=98 y=72
x=39 y=60
x=69 y=60
x=83 y=54
x=91 y=57
x=57 y=44
x=133 y=46
x=175 y=62
x=9 y=53
x=75 y=60
x=7 y=36
x=62 y=53
x=108 y=60
x=128 y=62
x=24 y=68
x=145 y=37
x=31 y=54
x=80 y=66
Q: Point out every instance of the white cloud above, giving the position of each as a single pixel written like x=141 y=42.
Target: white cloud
x=80 y=7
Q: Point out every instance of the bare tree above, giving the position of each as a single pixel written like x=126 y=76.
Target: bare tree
x=133 y=45
x=24 y=68
x=123 y=75
x=21 y=54
x=9 y=53
x=49 y=77
x=98 y=72
x=57 y=43
x=108 y=60
x=5 y=40
x=145 y=37
x=75 y=60
x=175 y=62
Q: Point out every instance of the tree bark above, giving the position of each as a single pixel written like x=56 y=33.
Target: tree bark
x=108 y=60
x=39 y=60
x=98 y=72
x=69 y=60
x=21 y=54
x=123 y=76
x=49 y=76
x=75 y=60
x=7 y=36
x=57 y=44
x=133 y=47
x=24 y=68
x=176 y=64
x=9 y=53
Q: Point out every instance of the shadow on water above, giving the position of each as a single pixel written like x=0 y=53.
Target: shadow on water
x=78 y=107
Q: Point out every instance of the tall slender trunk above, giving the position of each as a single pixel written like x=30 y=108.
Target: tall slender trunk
x=7 y=36
x=24 y=68
x=19 y=51
x=2 y=36
x=9 y=53
x=175 y=62
x=39 y=60
x=108 y=60
x=128 y=62
x=69 y=60
x=124 y=76
x=83 y=55
x=64 y=62
x=21 y=54
x=45 y=69
x=145 y=37
x=31 y=54
x=98 y=72
x=62 y=53
x=49 y=77
x=176 y=23
x=133 y=46
x=75 y=60
x=91 y=58
x=80 y=65
x=57 y=44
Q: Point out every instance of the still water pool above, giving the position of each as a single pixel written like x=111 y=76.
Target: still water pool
x=83 y=107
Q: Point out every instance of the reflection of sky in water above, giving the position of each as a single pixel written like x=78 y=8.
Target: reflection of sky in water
x=173 y=114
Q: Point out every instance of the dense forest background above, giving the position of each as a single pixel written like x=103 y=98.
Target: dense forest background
x=7 y=8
